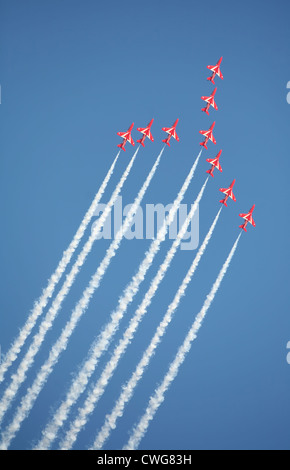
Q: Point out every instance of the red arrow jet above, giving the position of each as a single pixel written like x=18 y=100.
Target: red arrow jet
x=215 y=71
x=248 y=219
x=208 y=136
x=146 y=133
x=210 y=102
x=127 y=137
x=215 y=164
x=229 y=193
x=171 y=133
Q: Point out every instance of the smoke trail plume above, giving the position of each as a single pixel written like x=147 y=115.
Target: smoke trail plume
x=61 y=344
x=158 y=397
x=120 y=349
x=131 y=290
x=47 y=293
x=19 y=377
x=128 y=389
x=49 y=434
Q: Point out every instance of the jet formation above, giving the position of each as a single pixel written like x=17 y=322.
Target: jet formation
x=208 y=137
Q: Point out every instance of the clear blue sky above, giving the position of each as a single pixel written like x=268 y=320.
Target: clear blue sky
x=73 y=73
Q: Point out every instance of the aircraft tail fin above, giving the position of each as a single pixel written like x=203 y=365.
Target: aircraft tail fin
x=223 y=201
x=205 y=110
x=210 y=172
x=121 y=147
x=140 y=142
x=166 y=142
x=243 y=227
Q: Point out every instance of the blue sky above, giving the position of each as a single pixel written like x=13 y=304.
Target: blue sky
x=75 y=73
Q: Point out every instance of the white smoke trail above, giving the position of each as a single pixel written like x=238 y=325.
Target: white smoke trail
x=19 y=377
x=98 y=390
x=47 y=293
x=131 y=290
x=61 y=344
x=128 y=389
x=158 y=397
x=60 y=415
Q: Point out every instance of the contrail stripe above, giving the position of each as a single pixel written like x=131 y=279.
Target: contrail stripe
x=47 y=293
x=129 y=388
x=78 y=385
x=120 y=349
x=131 y=290
x=19 y=377
x=158 y=397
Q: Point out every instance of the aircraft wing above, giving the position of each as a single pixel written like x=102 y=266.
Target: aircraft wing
x=122 y=134
x=216 y=69
x=171 y=131
x=218 y=166
x=129 y=138
x=211 y=137
x=212 y=67
x=219 y=74
x=228 y=192
x=175 y=135
x=215 y=162
x=146 y=132
x=225 y=191
x=150 y=136
x=206 y=98
x=233 y=196
x=249 y=218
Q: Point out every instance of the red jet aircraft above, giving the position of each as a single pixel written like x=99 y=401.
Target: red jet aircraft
x=171 y=133
x=215 y=71
x=248 y=218
x=127 y=137
x=229 y=193
x=146 y=133
x=208 y=136
x=210 y=102
x=215 y=164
